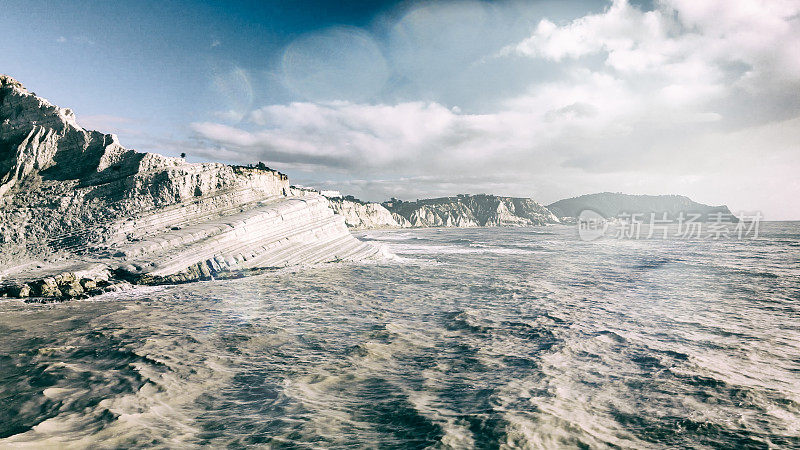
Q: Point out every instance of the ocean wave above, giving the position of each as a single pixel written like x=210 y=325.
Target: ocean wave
x=461 y=343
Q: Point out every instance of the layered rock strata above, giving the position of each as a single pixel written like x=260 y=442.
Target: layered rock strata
x=80 y=213
x=362 y=215
x=472 y=211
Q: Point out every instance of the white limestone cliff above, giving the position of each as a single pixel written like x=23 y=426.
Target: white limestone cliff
x=462 y=211
x=366 y=215
x=472 y=211
x=78 y=211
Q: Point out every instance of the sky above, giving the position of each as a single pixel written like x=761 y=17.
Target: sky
x=416 y=99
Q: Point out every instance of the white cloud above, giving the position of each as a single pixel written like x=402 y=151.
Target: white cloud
x=681 y=38
x=625 y=32
x=558 y=152
x=552 y=122
x=686 y=98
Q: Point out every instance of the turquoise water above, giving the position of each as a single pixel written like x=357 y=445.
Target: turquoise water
x=473 y=338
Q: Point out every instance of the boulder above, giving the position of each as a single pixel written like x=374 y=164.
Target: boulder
x=46 y=287
x=88 y=284
x=71 y=289
x=18 y=290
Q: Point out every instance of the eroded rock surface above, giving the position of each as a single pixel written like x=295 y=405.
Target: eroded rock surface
x=472 y=211
x=362 y=215
x=79 y=212
x=462 y=211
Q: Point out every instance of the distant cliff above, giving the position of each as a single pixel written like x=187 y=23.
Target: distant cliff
x=472 y=211
x=611 y=205
x=361 y=215
x=77 y=210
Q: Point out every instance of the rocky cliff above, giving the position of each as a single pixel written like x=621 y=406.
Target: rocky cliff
x=78 y=211
x=611 y=205
x=472 y=211
x=362 y=215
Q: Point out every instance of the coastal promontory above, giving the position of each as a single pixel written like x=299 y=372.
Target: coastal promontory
x=80 y=213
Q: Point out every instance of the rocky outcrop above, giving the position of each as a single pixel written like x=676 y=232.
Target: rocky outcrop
x=362 y=215
x=462 y=211
x=79 y=212
x=472 y=211
x=614 y=205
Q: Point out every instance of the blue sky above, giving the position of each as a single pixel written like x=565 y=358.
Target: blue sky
x=547 y=99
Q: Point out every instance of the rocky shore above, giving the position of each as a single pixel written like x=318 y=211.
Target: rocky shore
x=81 y=214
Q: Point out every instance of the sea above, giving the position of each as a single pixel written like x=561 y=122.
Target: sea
x=466 y=338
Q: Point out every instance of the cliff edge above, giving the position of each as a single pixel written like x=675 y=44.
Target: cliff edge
x=461 y=211
x=361 y=215
x=471 y=211
x=79 y=211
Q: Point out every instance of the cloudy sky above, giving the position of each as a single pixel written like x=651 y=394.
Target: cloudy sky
x=546 y=99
